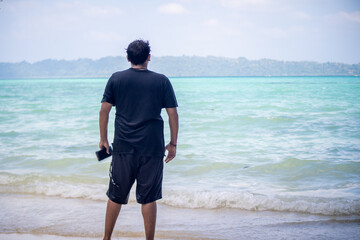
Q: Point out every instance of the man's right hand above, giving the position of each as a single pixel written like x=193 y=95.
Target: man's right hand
x=104 y=144
x=103 y=123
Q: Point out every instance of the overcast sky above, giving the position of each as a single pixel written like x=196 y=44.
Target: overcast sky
x=314 y=30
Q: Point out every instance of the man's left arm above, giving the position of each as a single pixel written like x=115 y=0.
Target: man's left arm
x=103 y=124
x=174 y=128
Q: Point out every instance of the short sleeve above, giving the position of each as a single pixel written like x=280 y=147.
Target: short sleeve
x=109 y=92
x=169 y=99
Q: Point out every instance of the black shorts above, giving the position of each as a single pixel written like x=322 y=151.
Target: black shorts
x=126 y=168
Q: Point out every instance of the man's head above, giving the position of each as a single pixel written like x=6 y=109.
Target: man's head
x=138 y=52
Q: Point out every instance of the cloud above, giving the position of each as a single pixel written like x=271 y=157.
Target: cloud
x=88 y=9
x=104 y=36
x=301 y=15
x=245 y=3
x=102 y=11
x=171 y=8
x=212 y=22
x=282 y=33
x=353 y=17
x=274 y=32
x=38 y=29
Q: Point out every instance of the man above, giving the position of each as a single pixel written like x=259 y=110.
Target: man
x=138 y=148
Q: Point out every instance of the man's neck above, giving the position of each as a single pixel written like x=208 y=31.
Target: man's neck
x=139 y=66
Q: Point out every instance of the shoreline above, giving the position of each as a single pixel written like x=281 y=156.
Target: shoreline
x=44 y=217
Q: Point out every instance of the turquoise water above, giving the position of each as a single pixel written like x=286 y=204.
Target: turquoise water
x=287 y=144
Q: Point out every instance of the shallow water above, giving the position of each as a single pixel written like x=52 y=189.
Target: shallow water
x=288 y=144
x=74 y=218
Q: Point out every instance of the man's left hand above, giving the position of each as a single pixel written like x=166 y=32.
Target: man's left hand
x=171 y=152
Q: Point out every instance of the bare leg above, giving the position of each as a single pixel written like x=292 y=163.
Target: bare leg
x=149 y=214
x=112 y=212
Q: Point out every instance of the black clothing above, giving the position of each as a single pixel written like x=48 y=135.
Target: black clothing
x=139 y=96
x=148 y=172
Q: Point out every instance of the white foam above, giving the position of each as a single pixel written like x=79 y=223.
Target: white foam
x=316 y=204
x=44 y=185
x=258 y=202
x=60 y=189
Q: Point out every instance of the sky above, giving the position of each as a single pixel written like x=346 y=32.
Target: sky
x=289 y=30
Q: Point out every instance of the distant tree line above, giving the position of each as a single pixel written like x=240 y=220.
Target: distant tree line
x=176 y=67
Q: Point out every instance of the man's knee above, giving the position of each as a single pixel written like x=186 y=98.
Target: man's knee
x=148 y=204
x=113 y=204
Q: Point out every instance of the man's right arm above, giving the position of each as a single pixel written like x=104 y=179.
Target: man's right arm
x=174 y=128
x=103 y=124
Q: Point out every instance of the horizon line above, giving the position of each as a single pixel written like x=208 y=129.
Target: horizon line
x=224 y=76
x=190 y=56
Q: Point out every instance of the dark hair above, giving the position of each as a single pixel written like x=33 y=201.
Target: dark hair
x=138 y=51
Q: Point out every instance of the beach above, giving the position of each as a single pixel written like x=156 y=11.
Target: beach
x=258 y=158
x=83 y=219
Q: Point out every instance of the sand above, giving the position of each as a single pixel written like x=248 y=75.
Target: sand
x=43 y=217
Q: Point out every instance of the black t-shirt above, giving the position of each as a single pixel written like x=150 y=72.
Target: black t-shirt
x=139 y=96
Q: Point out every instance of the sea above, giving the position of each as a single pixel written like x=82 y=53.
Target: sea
x=257 y=158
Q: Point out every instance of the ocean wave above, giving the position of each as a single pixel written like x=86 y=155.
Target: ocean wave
x=50 y=186
x=65 y=187
x=259 y=202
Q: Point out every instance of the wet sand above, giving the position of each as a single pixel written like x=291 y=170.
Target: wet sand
x=43 y=217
